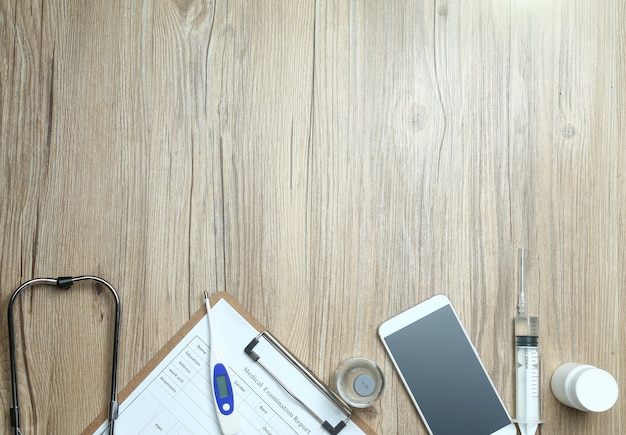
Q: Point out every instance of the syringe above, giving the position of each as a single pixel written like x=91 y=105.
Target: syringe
x=527 y=405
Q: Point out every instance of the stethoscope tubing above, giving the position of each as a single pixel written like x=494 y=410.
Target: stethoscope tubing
x=63 y=283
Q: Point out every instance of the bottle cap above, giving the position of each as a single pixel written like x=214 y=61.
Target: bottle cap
x=595 y=389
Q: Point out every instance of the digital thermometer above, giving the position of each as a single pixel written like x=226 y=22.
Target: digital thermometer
x=220 y=385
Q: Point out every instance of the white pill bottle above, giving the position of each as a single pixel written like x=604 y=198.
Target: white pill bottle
x=584 y=387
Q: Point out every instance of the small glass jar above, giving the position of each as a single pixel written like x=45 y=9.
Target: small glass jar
x=359 y=382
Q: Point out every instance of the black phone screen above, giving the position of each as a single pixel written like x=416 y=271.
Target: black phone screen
x=445 y=377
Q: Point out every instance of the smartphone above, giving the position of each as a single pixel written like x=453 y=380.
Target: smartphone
x=442 y=372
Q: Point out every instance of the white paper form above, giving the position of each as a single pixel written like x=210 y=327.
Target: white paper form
x=176 y=398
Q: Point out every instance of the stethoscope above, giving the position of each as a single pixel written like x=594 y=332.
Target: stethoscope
x=63 y=283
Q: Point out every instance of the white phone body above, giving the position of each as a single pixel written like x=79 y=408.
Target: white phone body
x=442 y=372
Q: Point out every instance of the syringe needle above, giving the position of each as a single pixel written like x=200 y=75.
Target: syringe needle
x=521 y=305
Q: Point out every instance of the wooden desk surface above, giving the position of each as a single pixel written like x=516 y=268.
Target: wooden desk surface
x=330 y=164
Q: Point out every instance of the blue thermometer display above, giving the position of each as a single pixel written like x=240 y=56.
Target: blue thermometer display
x=223 y=390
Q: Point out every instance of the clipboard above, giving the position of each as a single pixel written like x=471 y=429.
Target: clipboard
x=183 y=332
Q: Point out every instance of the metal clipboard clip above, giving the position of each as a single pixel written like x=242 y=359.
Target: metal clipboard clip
x=260 y=350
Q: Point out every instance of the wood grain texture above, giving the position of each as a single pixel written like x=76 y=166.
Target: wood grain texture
x=330 y=164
